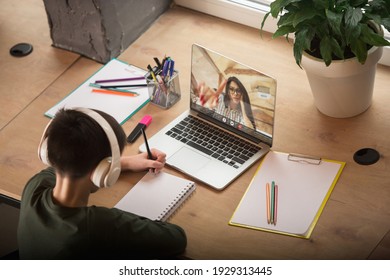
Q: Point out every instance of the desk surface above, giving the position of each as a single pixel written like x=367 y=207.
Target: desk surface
x=355 y=223
x=23 y=79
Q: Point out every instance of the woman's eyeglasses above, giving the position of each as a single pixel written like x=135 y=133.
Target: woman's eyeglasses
x=235 y=91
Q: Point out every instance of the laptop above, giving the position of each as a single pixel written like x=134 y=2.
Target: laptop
x=229 y=124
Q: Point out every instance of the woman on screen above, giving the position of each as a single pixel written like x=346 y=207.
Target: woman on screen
x=233 y=103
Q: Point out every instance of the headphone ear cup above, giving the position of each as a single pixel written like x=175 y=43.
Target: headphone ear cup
x=113 y=176
x=43 y=154
x=98 y=176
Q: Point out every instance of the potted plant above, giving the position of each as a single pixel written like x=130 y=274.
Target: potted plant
x=342 y=37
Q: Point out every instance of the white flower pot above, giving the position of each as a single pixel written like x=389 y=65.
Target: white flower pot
x=344 y=88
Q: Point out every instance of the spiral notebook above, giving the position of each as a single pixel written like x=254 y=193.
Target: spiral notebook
x=157 y=196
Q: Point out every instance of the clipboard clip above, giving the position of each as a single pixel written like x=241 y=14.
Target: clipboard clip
x=304 y=159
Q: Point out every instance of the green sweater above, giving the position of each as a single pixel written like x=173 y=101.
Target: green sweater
x=49 y=231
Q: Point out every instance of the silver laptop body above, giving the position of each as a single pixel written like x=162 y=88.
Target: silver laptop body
x=246 y=130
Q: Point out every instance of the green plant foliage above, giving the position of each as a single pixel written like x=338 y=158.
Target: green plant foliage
x=332 y=28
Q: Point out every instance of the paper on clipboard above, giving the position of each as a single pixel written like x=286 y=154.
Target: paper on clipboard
x=120 y=107
x=304 y=186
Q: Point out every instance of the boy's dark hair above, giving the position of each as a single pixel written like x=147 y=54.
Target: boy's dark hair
x=77 y=143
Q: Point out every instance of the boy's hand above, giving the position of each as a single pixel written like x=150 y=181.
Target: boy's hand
x=140 y=162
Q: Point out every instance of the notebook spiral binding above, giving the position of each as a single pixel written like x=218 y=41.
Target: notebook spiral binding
x=176 y=203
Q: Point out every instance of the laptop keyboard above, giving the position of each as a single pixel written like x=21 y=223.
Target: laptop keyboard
x=213 y=141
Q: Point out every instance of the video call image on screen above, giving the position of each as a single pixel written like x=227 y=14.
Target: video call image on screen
x=232 y=93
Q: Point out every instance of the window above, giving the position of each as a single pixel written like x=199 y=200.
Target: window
x=250 y=13
x=246 y=12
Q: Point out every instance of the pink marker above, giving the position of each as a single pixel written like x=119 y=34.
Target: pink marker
x=144 y=123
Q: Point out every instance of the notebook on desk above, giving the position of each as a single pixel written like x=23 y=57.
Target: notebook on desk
x=157 y=196
x=215 y=144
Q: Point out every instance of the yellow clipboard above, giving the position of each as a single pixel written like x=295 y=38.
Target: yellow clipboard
x=304 y=186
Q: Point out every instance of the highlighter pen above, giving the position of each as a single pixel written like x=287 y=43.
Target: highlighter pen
x=144 y=123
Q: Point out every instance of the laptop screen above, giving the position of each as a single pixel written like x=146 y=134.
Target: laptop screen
x=232 y=95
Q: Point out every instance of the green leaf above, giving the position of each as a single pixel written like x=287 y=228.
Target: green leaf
x=339 y=25
x=264 y=19
x=353 y=16
x=302 y=42
x=284 y=30
x=298 y=54
x=334 y=20
x=326 y=50
x=305 y=14
x=286 y=19
x=340 y=5
x=372 y=38
x=277 y=6
x=378 y=6
x=305 y=36
x=374 y=17
x=358 y=3
x=359 y=48
x=321 y=4
x=352 y=33
x=336 y=48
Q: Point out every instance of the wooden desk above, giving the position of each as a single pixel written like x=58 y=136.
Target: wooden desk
x=24 y=78
x=355 y=222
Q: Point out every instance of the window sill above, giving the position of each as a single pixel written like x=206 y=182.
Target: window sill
x=250 y=16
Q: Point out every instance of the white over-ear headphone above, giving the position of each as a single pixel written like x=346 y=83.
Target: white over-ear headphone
x=108 y=170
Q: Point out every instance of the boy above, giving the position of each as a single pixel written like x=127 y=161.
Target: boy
x=83 y=148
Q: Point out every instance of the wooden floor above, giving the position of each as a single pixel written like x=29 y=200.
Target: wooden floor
x=355 y=223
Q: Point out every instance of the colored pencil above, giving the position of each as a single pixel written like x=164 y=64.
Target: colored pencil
x=276 y=204
x=267 y=202
x=115 y=92
x=272 y=201
x=123 y=86
x=119 y=80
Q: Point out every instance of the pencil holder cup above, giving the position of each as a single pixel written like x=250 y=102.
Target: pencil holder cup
x=164 y=92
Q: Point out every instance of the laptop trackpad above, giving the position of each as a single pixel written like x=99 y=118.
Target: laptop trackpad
x=188 y=160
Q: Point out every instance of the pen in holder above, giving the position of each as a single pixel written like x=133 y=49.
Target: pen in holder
x=163 y=92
